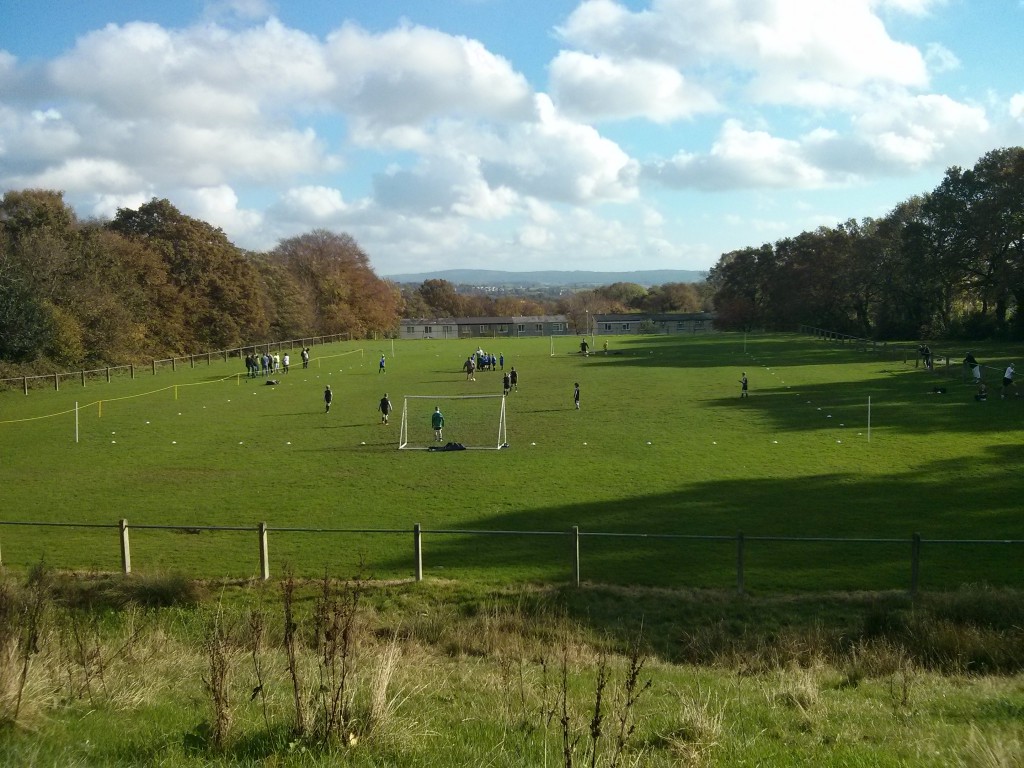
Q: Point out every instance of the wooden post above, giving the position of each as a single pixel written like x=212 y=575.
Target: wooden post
x=56 y=382
x=417 y=549
x=154 y=367
x=126 y=552
x=209 y=360
x=108 y=374
x=740 y=542
x=172 y=365
x=264 y=553
x=131 y=366
x=915 y=563
x=575 y=555
x=26 y=385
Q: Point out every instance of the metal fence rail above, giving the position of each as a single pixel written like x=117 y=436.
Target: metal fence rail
x=574 y=536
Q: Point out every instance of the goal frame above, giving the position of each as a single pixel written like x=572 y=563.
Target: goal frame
x=403 y=434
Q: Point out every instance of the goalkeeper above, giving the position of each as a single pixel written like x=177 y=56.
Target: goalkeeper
x=437 y=422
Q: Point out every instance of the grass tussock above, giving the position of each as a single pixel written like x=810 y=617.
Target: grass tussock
x=333 y=670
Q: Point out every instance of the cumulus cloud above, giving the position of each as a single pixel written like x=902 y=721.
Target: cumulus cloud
x=1016 y=106
x=599 y=87
x=411 y=75
x=780 y=51
x=556 y=158
x=741 y=158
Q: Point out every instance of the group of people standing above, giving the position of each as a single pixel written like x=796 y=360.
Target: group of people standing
x=266 y=364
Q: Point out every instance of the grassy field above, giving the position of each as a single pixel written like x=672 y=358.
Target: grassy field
x=494 y=660
x=662 y=444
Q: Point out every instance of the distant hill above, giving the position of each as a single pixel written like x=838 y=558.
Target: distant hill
x=571 y=279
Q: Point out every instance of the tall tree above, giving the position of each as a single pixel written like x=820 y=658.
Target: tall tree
x=334 y=276
x=215 y=281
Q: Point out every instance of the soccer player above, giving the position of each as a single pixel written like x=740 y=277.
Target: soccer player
x=506 y=382
x=328 y=396
x=971 y=362
x=513 y=378
x=437 y=422
x=576 y=395
x=380 y=367
x=385 y=409
x=743 y=385
x=1007 y=381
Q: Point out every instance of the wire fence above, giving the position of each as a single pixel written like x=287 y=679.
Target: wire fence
x=950 y=364
x=158 y=365
x=909 y=563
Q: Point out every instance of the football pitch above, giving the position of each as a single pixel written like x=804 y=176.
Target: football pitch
x=833 y=447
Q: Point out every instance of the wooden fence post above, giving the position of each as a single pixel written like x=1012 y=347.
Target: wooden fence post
x=575 y=555
x=915 y=563
x=26 y=385
x=417 y=550
x=740 y=543
x=56 y=382
x=264 y=553
x=126 y=551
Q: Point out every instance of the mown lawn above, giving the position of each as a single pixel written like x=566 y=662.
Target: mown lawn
x=662 y=444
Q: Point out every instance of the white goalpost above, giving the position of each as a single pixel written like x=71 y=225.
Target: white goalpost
x=473 y=421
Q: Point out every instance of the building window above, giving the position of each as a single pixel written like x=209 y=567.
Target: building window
x=625 y=326
x=558 y=327
x=539 y=327
x=483 y=329
x=447 y=328
x=681 y=325
x=521 y=328
x=427 y=329
x=502 y=329
x=410 y=329
x=607 y=326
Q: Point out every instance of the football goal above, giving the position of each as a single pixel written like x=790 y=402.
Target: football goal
x=572 y=345
x=474 y=421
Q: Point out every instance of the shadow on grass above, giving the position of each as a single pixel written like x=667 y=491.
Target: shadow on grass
x=830 y=531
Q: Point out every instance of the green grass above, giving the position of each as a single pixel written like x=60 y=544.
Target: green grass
x=662 y=445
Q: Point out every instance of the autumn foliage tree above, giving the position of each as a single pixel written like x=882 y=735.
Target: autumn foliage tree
x=154 y=282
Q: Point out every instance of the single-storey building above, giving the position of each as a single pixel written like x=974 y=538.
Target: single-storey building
x=483 y=327
x=553 y=325
x=667 y=323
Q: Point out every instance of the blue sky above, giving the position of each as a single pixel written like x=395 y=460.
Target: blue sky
x=537 y=134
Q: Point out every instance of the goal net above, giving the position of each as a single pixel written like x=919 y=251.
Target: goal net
x=570 y=344
x=474 y=421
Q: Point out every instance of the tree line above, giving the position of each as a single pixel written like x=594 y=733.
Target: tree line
x=154 y=282
x=947 y=263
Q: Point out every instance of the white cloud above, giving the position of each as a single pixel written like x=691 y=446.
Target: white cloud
x=84 y=175
x=554 y=158
x=740 y=158
x=598 y=87
x=411 y=75
x=219 y=206
x=1016 y=106
x=940 y=58
x=781 y=51
x=916 y=130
